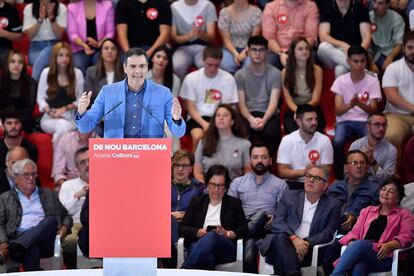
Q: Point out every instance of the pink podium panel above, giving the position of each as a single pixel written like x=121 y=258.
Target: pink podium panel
x=130 y=194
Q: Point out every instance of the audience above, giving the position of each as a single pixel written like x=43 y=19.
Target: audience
x=44 y=23
x=236 y=24
x=7 y=181
x=213 y=223
x=10 y=29
x=18 y=89
x=224 y=143
x=258 y=86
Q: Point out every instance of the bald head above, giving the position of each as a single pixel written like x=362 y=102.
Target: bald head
x=14 y=155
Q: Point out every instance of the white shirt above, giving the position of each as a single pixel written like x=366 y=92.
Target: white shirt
x=67 y=197
x=399 y=75
x=308 y=213
x=213 y=215
x=295 y=152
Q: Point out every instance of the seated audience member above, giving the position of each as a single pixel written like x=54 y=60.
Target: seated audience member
x=64 y=166
x=13 y=137
x=7 y=181
x=343 y=23
x=387 y=28
x=357 y=94
x=382 y=155
x=356 y=191
x=10 y=30
x=72 y=196
x=183 y=189
x=411 y=20
x=224 y=143
x=378 y=231
x=259 y=192
x=407 y=163
x=302 y=83
x=18 y=89
x=89 y=23
x=60 y=85
x=30 y=218
x=398 y=85
x=108 y=68
x=161 y=71
x=258 y=86
x=44 y=22
x=237 y=22
x=224 y=214
x=303 y=219
x=144 y=23
x=193 y=27
x=408 y=200
x=203 y=90
x=303 y=148
x=283 y=20
x=83 y=234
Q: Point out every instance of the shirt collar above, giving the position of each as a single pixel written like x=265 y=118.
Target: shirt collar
x=142 y=89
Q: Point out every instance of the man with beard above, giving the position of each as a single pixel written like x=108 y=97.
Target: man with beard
x=259 y=192
x=72 y=196
x=303 y=148
x=13 y=137
x=382 y=155
x=398 y=84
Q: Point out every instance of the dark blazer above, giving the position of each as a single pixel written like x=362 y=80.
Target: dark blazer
x=232 y=217
x=289 y=215
x=83 y=235
x=92 y=83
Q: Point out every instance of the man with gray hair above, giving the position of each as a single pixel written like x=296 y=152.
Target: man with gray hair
x=29 y=219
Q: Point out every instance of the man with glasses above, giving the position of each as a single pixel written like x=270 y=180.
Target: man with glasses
x=258 y=86
x=355 y=193
x=259 y=192
x=303 y=219
x=30 y=217
x=72 y=196
x=382 y=155
x=132 y=108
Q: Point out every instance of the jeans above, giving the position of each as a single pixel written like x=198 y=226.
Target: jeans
x=228 y=64
x=39 y=56
x=255 y=224
x=210 y=250
x=333 y=57
x=82 y=61
x=185 y=56
x=343 y=131
x=360 y=258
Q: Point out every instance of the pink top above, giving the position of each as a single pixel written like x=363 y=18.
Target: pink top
x=104 y=20
x=368 y=86
x=283 y=23
x=400 y=226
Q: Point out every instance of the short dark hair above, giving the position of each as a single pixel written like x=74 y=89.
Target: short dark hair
x=356 y=49
x=304 y=108
x=408 y=36
x=376 y=113
x=397 y=182
x=211 y=51
x=10 y=113
x=80 y=151
x=355 y=151
x=257 y=40
x=135 y=52
x=218 y=170
x=259 y=145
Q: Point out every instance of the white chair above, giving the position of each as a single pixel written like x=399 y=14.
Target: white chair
x=394 y=266
x=312 y=270
x=236 y=266
x=83 y=262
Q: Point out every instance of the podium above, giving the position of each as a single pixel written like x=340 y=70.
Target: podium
x=130 y=194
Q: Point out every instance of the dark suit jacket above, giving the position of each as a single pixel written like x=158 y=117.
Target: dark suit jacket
x=232 y=217
x=289 y=215
x=83 y=235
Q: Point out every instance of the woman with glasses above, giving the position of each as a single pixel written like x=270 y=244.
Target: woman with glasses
x=302 y=83
x=183 y=189
x=379 y=230
x=213 y=223
x=224 y=143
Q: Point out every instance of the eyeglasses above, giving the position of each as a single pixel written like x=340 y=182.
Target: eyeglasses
x=257 y=50
x=218 y=186
x=378 y=125
x=356 y=163
x=27 y=175
x=181 y=166
x=314 y=178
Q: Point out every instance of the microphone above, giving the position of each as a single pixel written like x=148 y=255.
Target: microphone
x=109 y=111
x=152 y=115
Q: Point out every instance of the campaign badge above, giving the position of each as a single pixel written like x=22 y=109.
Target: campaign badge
x=314 y=156
x=363 y=96
x=152 y=14
x=4 y=22
x=199 y=21
x=282 y=19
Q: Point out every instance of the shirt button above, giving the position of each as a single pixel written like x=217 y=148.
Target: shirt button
x=133 y=127
x=135 y=105
x=135 y=116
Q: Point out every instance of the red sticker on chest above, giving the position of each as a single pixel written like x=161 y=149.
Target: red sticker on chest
x=199 y=21
x=282 y=19
x=4 y=22
x=313 y=156
x=152 y=14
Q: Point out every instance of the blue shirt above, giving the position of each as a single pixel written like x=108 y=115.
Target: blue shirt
x=133 y=111
x=255 y=196
x=32 y=210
